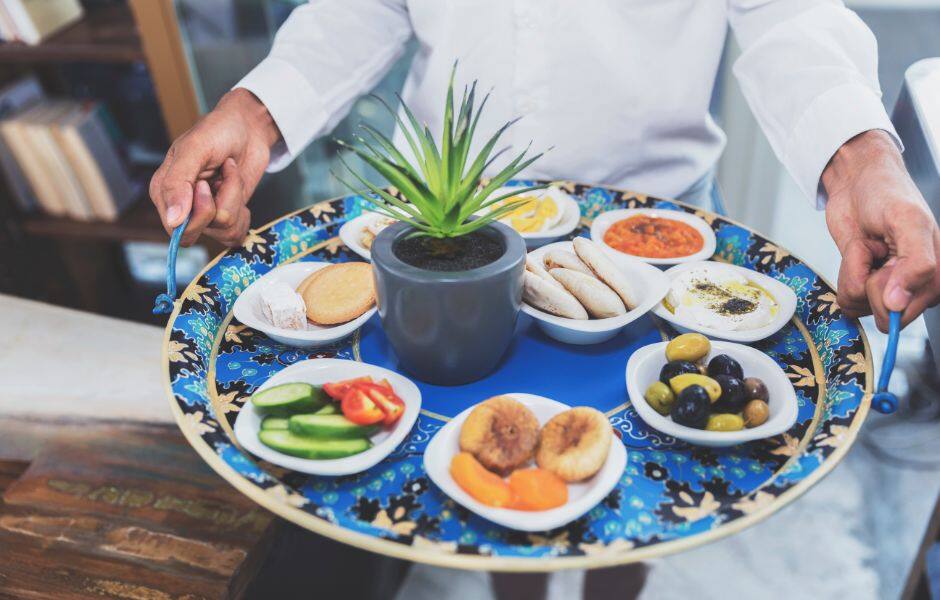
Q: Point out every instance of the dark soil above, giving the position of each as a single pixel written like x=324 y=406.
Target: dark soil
x=462 y=253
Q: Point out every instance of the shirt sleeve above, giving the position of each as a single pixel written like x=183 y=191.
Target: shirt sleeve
x=809 y=71
x=324 y=56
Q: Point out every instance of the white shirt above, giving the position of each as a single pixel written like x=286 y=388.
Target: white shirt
x=620 y=88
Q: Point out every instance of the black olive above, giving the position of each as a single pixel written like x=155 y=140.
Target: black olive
x=756 y=389
x=676 y=367
x=725 y=365
x=692 y=407
x=733 y=395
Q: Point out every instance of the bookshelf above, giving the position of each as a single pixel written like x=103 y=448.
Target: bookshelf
x=105 y=34
x=127 y=36
x=139 y=223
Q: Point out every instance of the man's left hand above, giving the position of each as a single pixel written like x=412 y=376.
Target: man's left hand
x=888 y=238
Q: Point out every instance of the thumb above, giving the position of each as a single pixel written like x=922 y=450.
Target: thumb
x=911 y=269
x=179 y=182
x=179 y=201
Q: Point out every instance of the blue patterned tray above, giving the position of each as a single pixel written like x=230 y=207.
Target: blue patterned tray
x=672 y=496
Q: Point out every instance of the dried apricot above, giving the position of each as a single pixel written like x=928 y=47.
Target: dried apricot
x=485 y=486
x=537 y=489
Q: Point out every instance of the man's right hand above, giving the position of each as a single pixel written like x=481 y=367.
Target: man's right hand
x=213 y=168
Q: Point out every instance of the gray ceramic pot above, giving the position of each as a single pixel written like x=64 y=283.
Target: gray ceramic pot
x=449 y=328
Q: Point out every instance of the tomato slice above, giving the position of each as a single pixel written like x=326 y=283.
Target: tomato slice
x=390 y=404
x=337 y=390
x=359 y=408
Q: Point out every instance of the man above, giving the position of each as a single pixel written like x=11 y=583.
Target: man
x=620 y=88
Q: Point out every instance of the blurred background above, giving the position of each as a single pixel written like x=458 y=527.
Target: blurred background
x=92 y=94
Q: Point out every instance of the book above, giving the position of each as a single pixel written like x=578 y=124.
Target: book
x=85 y=141
x=34 y=20
x=52 y=161
x=17 y=138
x=7 y=28
x=14 y=98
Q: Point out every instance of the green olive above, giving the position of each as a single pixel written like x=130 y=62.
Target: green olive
x=680 y=382
x=756 y=412
x=660 y=397
x=725 y=422
x=688 y=346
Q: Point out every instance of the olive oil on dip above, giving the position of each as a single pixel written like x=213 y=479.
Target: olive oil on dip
x=718 y=297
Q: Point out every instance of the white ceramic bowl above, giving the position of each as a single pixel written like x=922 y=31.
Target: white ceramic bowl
x=643 y=369
x=248 y=310
x=603 y=221
x=351 y=232
x=582 y=496
x=785 y=297
x=318 y=371
x=650 y=283
x=570 y=215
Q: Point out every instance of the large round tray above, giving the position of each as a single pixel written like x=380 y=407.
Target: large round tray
x=671 y=497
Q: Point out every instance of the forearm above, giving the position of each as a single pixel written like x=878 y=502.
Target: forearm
x=809 y=73
x=325 y=56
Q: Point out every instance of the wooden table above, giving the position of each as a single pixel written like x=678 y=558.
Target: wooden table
x=101 y=497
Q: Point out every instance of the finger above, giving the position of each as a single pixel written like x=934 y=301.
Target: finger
x=156 y=183
x=921 y=301
x=178 y=185
x=230 y=198
x=234 y=235
x=203 y=213
x=875 y=289
x=927 y=296
x=913 y=230
x=155 y=191
x=858 y=259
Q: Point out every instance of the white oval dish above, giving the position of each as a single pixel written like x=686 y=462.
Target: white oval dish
x=318 y=371
x=603 y=221
x=648 y=281
x=785 y=297
x=582 y=496
x=570 y=215
x=351 y=232
x=643 y=369
x=247 y=309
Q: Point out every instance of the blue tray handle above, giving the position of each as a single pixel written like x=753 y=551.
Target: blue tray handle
x=884 y=401
x=163 y=304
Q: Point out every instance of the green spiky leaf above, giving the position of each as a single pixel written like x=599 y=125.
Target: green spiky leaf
x=442 y=182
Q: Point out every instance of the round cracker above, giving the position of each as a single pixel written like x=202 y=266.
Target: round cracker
x=341 y=293
x=308 y=279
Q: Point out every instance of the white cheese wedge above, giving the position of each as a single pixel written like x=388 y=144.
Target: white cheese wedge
x=283 y=306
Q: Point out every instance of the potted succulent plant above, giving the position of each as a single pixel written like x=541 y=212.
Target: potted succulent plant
x=448 y=274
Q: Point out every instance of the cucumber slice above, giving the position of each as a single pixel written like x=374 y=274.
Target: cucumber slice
x=331 y=408
x=274 y=423
x=328 y=427
x=289 y=398
x=312 y=448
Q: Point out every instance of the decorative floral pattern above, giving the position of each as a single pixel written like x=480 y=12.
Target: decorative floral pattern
x=669 y=490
